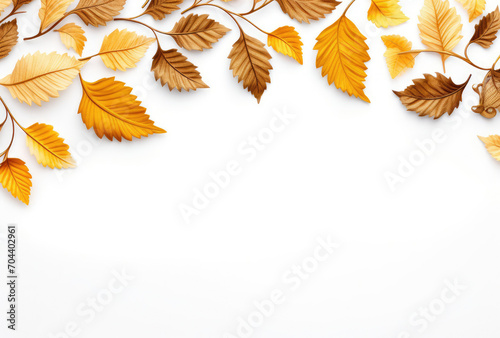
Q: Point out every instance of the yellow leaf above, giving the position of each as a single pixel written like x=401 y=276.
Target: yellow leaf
x=439 y=26
x=109 y=108
x=398 y=63
x=15 y=177
x=250 y=63
x=342 y=52
x=48 y=148
x=287 y=41
x=474 y=7
x=51 y=11
x=492 y=144
x=38 y=77
x=385 y=13
x=73 y=36
x=4 y=4
x=123 y=49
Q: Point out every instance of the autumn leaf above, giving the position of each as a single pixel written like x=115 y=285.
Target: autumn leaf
x=98 y=12
x=385 y=13
x=250 y=63
x=173 y=68
x=158 y=9
x=197 y=32
x=489 y=95
x=305 y=10
x=492 y=144
x=396 y=62
x=486 y=30
x=48 y=148
x=439 y=26
x=38 y=77
x=51 y=11
x=474 y=7
x=287 y=41
x=342 y=52
x=4 y=4
x=109 y=108
x=15 y=177
x=8 y=37
x=19 y=3
x=123 y=49
x=433 y=96
x=73 y=36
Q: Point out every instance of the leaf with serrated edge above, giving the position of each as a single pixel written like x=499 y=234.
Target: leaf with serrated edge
x=385 y=13
x=305 y=10
x=109 y=107
x=98 y=12
x=51 y=11
x=173 y=68
x=250 y=63
x=492 y=144
x=8 y=37
x=48 y=148
x=474 y=7
x=197 y=32
x=486 y=30
x=15 y=177
x=287 y=41
x=343 y=53
x=158 y=9
x=396 y=62
x=73 y=36
x=38 y=77
x=433 y=96
x=123 y=49
x=440 y=26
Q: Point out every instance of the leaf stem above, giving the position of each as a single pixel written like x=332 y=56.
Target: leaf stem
x=465 y=59
x=254 y=9
x=50 y=28
x=348 y=6
x=13 y=12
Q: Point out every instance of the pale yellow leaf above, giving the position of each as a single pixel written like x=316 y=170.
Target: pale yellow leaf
x=73 y=36
x=342 y=52
x=48 y=148
x=4 y=4
x=396 y=62
x=123 y=49
x=473 y=7
x=287 y=41
x=15 y=177
x=51 y=11
x=385 y=13
x=492 y=144
x=38 y=77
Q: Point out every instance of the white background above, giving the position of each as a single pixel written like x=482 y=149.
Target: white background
x=324 y=175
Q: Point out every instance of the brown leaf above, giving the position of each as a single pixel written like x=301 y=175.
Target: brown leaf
x=8 y=37
x=19 y=3
x=98 y=12
x=197 y=32
x=250 y=63
x=305 y=10
x=486 y=30
x=158 y=9
x=15 y=177
x=173 y=68
x=432 y=96
x=489 y=95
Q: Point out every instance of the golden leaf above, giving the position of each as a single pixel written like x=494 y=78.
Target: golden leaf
x=19 y=3
x=305 y=10
x=197 y=32
x=439 y=26
x=486 y=30
x=158 y=9
x=73 y=36
x=250 y=63
x=123 y=49
x=38 y=77
x=492 y=144
x=109 y=108
x=4 y=4
x=287 y=41
x=8 y=37
x=433 y=96
x=398 y=63
x=489 y=95
x=474 y=7
x=15 y=177
x=385 y=13
x=51 y=11
x=98 y=12
x=173 y=68
x=342 y=52
x=48 y=148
